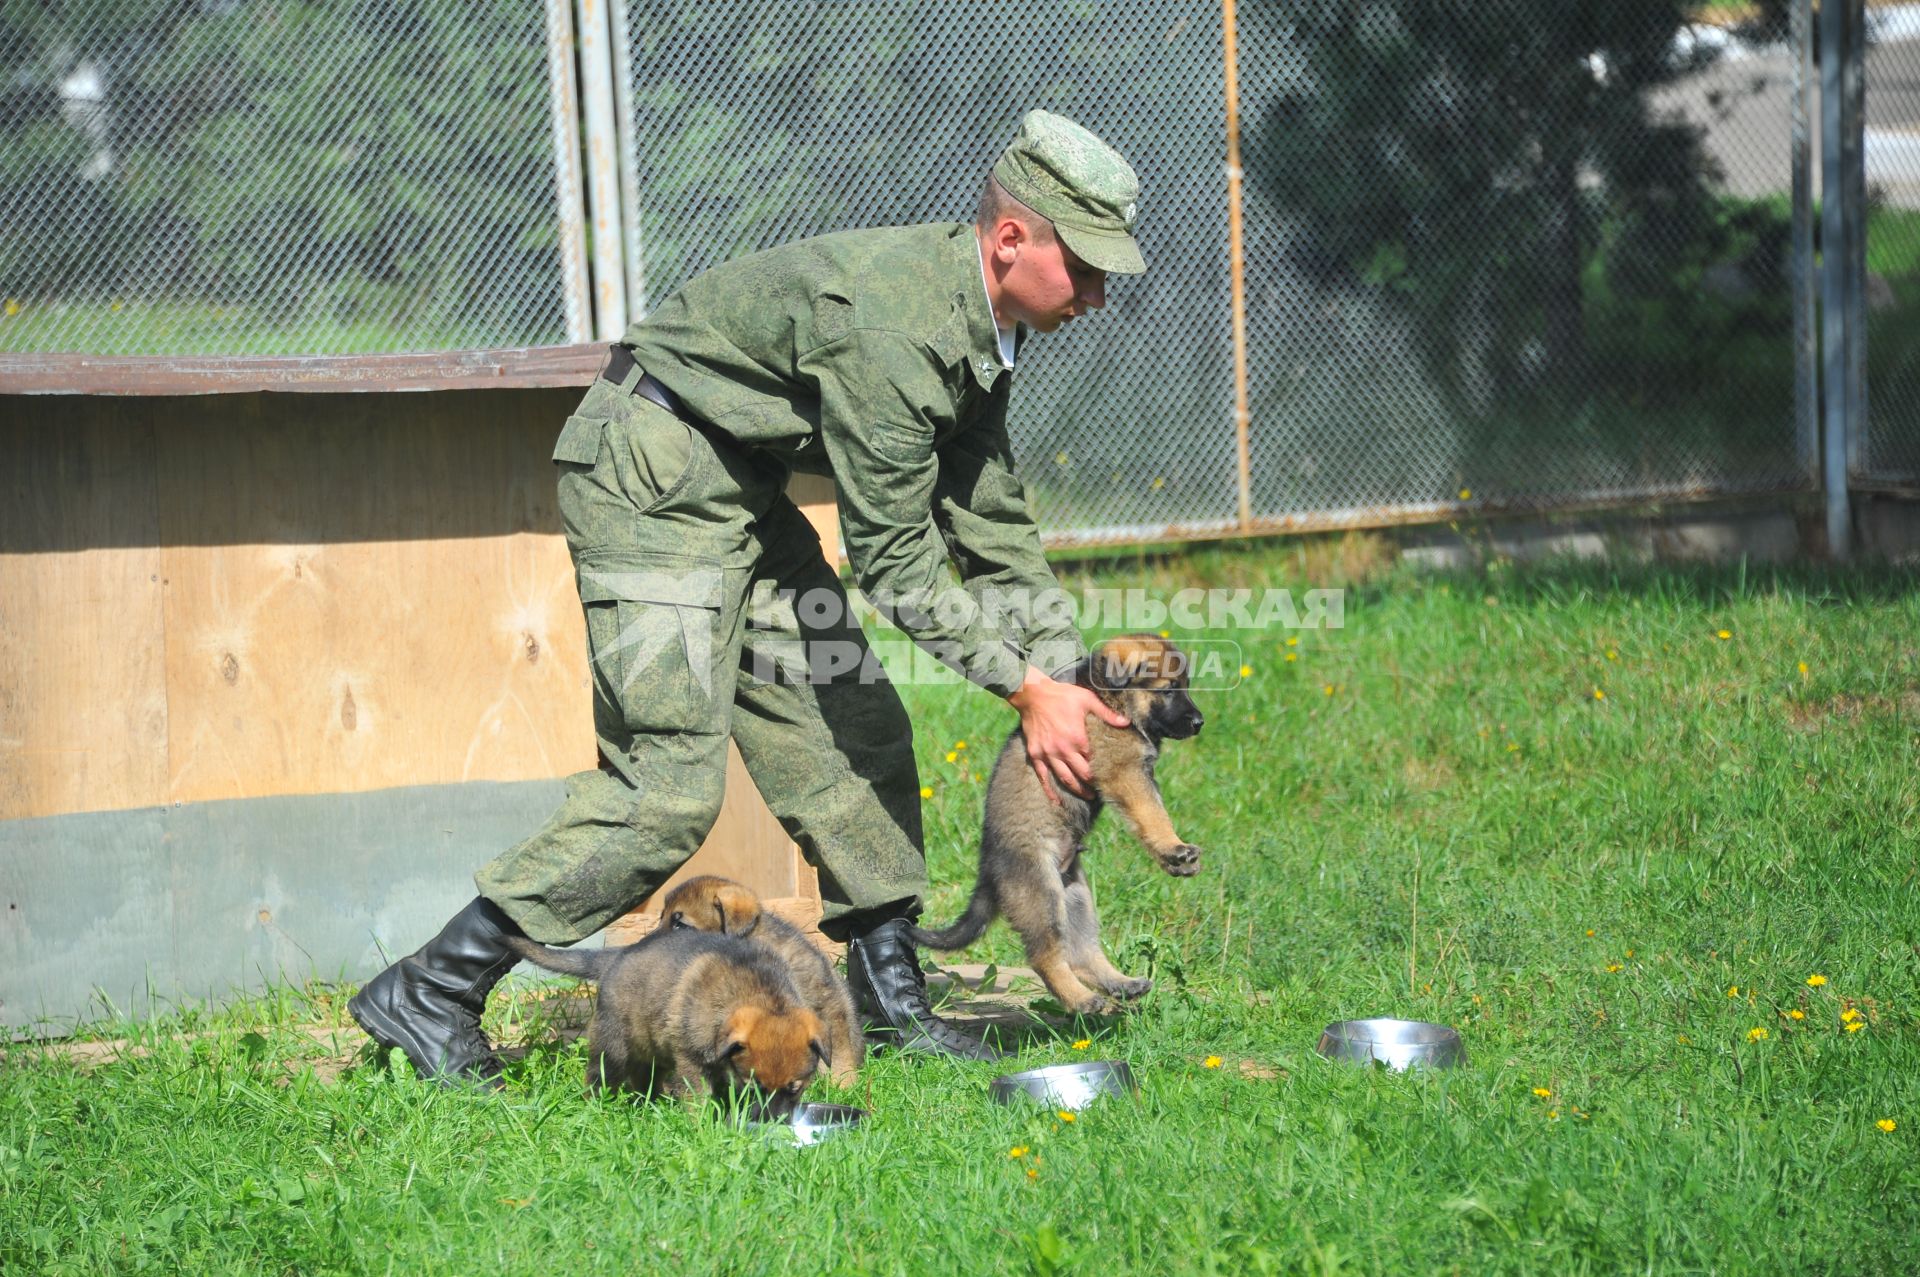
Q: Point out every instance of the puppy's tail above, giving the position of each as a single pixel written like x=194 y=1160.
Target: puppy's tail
x=588 y=964
x=964 y=931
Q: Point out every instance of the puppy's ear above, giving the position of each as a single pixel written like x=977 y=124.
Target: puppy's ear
x=739 y=910
x=821 y=1052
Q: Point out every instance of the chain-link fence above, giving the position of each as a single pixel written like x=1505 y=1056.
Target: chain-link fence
x=1889 y=451
x=233 y=176
x=1497 y=254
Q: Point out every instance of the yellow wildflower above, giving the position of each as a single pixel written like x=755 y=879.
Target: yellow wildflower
x=1733 y=991
x=1803 y=669
x=1293 y=656
x=1165 y=634
x=1553 y=1115
x=1612 y=655
x=1684 y=1040
x=1246 y=671
x=1212 y=1062
x=1328 y=689
x=1816 y=980
x=1757 y=1034
x=1796 y=1014
x=13 y=308
x=1466 y=494
x=1886 y=1124
x=1856 y=1026
x=1612 y=967
x=1293 y=642
x=1513 y=747
x=1065 y=1116
x=959 y=744
x=953 y=756
x=1083 y=1044
x=1849 y=1015
x=1543 y=1092
x=1724 y=635
x=1018 y=1150
x=1032 y=1174
x=1589 y=930
x=926 y=792
x=1599 y=695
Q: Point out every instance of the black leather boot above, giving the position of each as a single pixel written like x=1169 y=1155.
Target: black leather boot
x=888 y=987
x=429 y=1003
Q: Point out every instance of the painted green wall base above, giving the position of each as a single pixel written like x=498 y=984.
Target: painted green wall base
x=134 y=911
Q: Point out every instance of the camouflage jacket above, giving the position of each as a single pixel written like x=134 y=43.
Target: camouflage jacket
x=871 y=356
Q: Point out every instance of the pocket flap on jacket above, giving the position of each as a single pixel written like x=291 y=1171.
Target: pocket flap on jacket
x=579 y=441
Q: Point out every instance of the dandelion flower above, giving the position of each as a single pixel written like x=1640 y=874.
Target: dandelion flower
x=1856 y=1026
x=13 y=308
x=1032 y=1174
x=1328 y=689
x=1466 y=494
x=1064 y=1115
x=926 y=791
x=1294 y=641
x=1083 y=1044
x=953 y=755
x=1513 y=747
x=1886 y=1124
x=1293 y=656
x=1683 y=1039
x=1589 y=930
x=1815 y=981
x=1612 y=655
x=1849 y=1015
x=959 y=744
x=1599 y=695
x=1796 y=1014
x=1757 y=1034
x=1543 y=1092
x=1212 y=1062
x=1733 y=991
x=1165 y=634
x=1724 y=635
x=1803 y=669
x=1018 y=1150
x=1612 y=967
x=1629 y=953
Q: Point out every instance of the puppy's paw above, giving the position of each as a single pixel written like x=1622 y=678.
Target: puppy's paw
x=1132 y=989
x=1183 y=861
x=1096 y=1005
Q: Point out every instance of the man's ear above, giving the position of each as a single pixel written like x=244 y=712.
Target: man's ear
x=1007 y=238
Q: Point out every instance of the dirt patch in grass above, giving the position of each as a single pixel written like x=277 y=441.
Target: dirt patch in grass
x=1846 y=707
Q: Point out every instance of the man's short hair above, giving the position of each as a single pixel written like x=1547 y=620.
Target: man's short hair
x=996 y=203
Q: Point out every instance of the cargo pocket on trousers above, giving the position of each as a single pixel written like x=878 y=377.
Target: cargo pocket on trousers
x=653 y=635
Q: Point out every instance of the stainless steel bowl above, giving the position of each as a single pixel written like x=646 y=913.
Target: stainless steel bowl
x=1398 y=1044
x=1065 y=1086
x=812 y=1123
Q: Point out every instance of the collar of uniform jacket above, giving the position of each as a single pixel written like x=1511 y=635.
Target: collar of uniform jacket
x=972 y=319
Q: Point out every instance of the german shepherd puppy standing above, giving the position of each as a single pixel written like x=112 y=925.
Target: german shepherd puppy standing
x=1030 y=848
x=685 y=1008
x=709 y=903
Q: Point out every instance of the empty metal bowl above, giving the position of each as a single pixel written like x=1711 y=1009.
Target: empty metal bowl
x=812 y=1123
x=1398 y=1044
x=1065 y=1086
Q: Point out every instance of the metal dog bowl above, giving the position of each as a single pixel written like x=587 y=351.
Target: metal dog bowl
x=1066 y=1086
x=1398 y=1044
x=813 y=1123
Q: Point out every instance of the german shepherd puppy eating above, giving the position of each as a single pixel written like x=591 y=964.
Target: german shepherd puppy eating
x=682 y=1009
x=709 y=903
x=1030 y=863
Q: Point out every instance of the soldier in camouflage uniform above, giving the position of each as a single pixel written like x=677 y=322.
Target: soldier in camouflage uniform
x=882 y=358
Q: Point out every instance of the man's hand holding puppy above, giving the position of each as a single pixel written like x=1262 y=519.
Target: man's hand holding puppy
x=1053 y=719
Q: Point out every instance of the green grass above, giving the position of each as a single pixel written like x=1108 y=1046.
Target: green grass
x=1459 y=830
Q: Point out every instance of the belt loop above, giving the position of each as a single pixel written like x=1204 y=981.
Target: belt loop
x=622 y=369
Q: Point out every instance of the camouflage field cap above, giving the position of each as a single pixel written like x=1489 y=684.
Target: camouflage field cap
x=1080 y=184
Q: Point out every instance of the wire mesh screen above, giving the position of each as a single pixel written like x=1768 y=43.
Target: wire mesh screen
x=758 y=124
x=1514 y=254
x=264 y=177
x=1497 y=253
x=1891 y=451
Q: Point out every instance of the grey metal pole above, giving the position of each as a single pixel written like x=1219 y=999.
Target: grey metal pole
x=1854 y=112
x=1833 y=292
x=603 y=170
x=1806 y=380
x=622 y=15
x=565 y=104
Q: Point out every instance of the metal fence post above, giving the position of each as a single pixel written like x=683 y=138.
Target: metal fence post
x=565 y=105
x=603 y=170
x=1834 y=254
x=1236 y=253
x=1806 y=381
x=1854 y=110
x=622 y=15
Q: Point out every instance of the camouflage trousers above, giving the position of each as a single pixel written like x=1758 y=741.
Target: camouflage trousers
x=689 y=558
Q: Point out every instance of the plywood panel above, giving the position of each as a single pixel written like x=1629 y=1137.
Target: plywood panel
x=83 y=708
x=350 y=652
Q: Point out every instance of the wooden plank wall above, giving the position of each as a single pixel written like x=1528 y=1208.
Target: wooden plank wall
x=241 y=595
